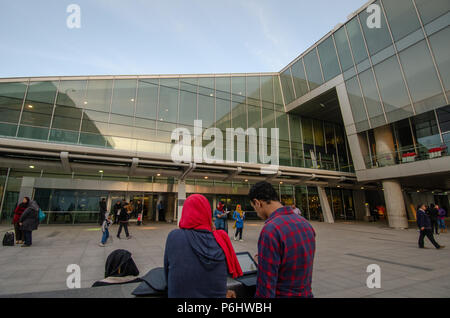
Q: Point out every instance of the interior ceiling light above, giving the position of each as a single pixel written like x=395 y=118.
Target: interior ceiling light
x=31 y=167
x=30 y=106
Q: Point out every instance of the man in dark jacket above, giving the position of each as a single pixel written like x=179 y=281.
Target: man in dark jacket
x=116 y=210
x=29 y=222
x=424 y=224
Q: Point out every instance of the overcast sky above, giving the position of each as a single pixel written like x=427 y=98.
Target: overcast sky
x=119 y=37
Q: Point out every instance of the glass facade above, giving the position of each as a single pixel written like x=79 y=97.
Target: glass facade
x=383 y=79
x=140 y=114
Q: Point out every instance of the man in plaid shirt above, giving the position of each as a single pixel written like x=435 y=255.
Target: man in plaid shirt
x=286 y=247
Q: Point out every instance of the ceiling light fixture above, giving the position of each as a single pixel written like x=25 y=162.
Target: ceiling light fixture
x=31 y=167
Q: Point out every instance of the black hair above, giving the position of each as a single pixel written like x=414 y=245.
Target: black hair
x=263 y=191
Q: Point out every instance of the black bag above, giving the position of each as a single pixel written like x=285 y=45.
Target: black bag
x=8 y=239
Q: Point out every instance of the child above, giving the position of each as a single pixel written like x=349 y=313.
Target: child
x=239 y=216
x=105 y=229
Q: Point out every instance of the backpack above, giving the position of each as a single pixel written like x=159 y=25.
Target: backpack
x=8 y=239
x=41 y=216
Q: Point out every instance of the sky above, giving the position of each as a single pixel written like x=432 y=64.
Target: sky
x=143 y=37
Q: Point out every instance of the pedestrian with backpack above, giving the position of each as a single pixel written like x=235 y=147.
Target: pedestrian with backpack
x=17 y=214
x=29 y=221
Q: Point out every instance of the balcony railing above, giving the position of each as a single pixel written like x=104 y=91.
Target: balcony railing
x=406 y=155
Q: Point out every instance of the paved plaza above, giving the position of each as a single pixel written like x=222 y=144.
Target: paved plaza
x=344 y=250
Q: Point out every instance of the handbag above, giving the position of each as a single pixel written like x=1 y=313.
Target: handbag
x=8 y=239
x=41 y=216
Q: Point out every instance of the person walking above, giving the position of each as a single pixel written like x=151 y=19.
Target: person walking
x=441 y=219
x=239 y=217
x=17 y=214
x=116 y=211
x=433 y=214
x=124 y=217
x=286 y=247
x=424 y=224
x=198 y=259
x=29 y=221
x=105 y=229
x=102 y=210
x=220 y=216
x=138 y=211
x=160 y=208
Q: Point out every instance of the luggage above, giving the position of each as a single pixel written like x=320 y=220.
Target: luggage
x=8 y=239
x=139 y=219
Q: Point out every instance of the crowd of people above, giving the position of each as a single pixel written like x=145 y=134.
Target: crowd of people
x=199 y=253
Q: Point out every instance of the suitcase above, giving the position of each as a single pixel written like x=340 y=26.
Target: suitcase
x=8 y=239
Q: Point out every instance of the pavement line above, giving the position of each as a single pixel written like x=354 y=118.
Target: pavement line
x=390 y=262
x=396 y=241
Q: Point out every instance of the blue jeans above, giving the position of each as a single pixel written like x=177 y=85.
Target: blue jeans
x=105 y=236
x=441 y=223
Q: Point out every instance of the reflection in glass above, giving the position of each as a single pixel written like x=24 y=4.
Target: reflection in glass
x=39 y=102
x=124 y=96
x=441 y=51
x=298 y=74
x=286 y=82
x=356 y=40
x=392 y=89
x=343 y=49
x=376 y=38
x=426 y=91
x=313 y=69
x=357 y=104
x=188 y=101
x=98 y=96
x=402 y=17
x=147 y=98
x=206 y=101
x=11 y=100
x=328 y=58
x=374 y=108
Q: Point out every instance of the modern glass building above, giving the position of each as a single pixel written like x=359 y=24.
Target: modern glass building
x=363 y=118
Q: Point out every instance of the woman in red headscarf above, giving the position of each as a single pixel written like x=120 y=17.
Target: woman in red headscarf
x=197 y=260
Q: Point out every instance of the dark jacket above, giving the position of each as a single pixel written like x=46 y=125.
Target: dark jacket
x=433 y=213
x=116 y=208
x=423 y=220
x=124 y=216
x=194 y=265
x=102 y=205
x=30 y=217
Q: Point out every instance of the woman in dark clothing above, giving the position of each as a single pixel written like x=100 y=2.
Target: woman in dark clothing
x=116 y=210
x=197 y=260
x=17 y=214
x=124 y=216
x=29 y=222
x=119 y=269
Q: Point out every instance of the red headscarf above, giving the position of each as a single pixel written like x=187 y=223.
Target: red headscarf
x=196 y=215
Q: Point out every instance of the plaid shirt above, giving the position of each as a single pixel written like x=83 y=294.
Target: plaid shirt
x=286 y=249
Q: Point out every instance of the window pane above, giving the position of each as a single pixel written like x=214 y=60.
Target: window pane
x=443 y=114
x=426 y=91
x=356 y=40
x=267 y=91
x=372 y=99
x=188 y=101
x=67 y=118
x=254 y=116
x=430 y=12
x=357 y=104
x=308 y=140
x=441 y=50
x=286 y=82
x=268 y=117
x=426 y=130
x=393 y=91
x=147 y=99
x=33 y=132
x=168 y=100
x=99 y=95
x=239 y=111
x=376 y=38
x=296 y=141
x=11 y=100
x=328 y=58
x=38 y=107
x=223 y=103
x=298 y=74
x=343 y=49
x=206 y=101
x=313 y=69
x=253 y=91
x=279 y=105
x=402 y=17
x=124 y=96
